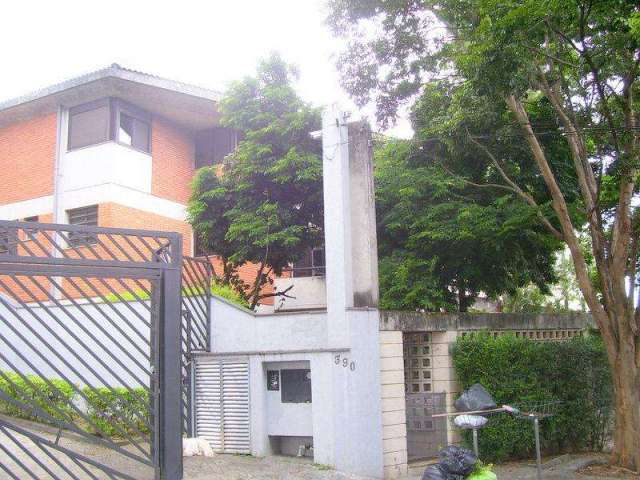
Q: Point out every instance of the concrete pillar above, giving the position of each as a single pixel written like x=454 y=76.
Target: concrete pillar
x=352 y=384
x=349 y=220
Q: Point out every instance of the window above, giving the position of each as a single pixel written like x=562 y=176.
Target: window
x=312 y=264
x=214 y=144
x=8 y=240
x=83 y=216
x=35 y=218
x=134 y=132
x=89 y=124
x=296 y=386
x=109 y=120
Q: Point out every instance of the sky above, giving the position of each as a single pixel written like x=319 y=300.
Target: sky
x=207 y=43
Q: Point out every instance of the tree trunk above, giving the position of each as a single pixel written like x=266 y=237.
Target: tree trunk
x=626 y=381
x=624 y=358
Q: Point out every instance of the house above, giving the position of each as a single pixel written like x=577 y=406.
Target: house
x=112 y=148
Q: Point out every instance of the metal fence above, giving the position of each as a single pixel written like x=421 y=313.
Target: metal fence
x=89 y=352
x=196 y=325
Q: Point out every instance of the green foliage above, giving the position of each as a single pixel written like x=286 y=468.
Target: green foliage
x=520 y=371
x=118 y=410
x=438 y=235
x=54 y=398
x=265 y=205
x=228 y=293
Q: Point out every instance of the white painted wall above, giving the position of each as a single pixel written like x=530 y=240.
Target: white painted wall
x=57 y=342
x=307 y=293
x=287 y=419
x=107 y=162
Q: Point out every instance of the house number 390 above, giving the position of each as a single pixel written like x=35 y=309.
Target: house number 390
x=345 y=362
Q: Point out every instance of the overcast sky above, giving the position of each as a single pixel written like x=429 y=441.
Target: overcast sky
x=207 y=43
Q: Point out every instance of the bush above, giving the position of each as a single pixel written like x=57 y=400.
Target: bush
x=55 y=401
x=118 y=410
x=519 y=370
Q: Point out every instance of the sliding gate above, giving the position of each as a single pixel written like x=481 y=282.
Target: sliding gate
x=90 y=332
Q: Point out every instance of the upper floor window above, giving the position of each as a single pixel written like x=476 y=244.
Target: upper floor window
x=214 y=144
x=89 y=124
x=109 y=120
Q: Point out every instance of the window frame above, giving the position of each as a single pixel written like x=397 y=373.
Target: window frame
x=116 y=108
x=284 y=372
x=82 y=239
x=87 y=107
x=136 y=113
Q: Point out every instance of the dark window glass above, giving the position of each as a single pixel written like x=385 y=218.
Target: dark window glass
x=8 y=240
x=88 y=127
x=213 y=145
x=134 y=132
x=295 y=386
x=35 y=218
x=83 y=216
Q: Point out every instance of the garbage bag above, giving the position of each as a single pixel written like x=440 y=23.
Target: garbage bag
x=437 y=472
x=475 y=397
x=470 y=421
x=434 y=472
x=457 y=461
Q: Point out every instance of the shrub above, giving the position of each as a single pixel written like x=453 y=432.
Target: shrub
x=519 y=370
x=55 y=401
x=228 y=293
x=118 y=410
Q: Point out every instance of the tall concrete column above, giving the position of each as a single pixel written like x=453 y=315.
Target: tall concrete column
x=349 y=220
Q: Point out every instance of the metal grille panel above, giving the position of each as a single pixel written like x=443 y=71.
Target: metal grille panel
x=222 y=404
x=85 y=355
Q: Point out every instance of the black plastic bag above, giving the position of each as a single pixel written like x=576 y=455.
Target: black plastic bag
x=475 y=397
x=455 y=460
x=437 y=472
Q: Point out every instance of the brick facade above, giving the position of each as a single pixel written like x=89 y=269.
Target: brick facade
x=27 y=158
x=173 y=152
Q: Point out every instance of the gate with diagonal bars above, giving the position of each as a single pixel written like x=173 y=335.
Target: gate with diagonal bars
x=92 y=359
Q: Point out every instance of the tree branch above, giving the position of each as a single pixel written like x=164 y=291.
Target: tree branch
x=516 y=189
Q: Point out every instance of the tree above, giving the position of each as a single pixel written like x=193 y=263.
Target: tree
x=264 y=205
x=442 y=241
x=582 y=57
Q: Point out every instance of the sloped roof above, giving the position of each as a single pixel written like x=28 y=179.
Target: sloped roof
x=190 y=105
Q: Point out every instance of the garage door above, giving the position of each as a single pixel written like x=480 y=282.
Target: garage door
x=222 y=403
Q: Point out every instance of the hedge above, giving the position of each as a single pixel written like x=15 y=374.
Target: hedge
x=118 y=410
x=110 y=411
x=518 y=370
x=31 y=389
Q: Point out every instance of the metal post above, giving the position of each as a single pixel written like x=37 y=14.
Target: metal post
x=536 y=430
x=169 y=433
x=475 y=442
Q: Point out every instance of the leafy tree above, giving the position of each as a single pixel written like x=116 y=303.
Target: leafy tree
x=264 y=205
x=443 y=241
x=582 y=58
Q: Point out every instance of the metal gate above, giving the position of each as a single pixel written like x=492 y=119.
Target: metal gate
x=196 y=325
x=425 y=435
x=89 y=352
x=222 y=406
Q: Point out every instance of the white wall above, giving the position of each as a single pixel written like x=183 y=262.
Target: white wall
x=107 y=162
x=61 y=347
x=307 y=292
x=287 y=419
x=345 y=382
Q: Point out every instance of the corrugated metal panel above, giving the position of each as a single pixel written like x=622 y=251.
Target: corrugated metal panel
x=222 y=404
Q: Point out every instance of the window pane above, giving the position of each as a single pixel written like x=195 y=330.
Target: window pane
x=141 y=135
x=89 y=127
x=83 y=216
x=296 y=386
x=134 y=132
